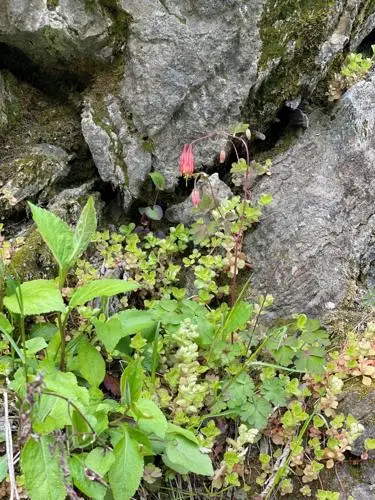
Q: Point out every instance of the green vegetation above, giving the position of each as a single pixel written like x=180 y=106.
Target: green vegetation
x=136 y=384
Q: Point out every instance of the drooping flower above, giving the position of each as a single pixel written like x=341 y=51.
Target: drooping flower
x=187 y=161
x=195 y=197
x=223 y=156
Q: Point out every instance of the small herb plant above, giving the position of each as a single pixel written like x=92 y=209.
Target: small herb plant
x=355 y=68
x=130 y=386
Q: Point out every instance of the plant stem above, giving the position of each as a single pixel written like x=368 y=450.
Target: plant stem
x=61 y=325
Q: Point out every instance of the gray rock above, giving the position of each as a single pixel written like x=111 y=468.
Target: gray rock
x=9 y=103
x=360 y=402
x=185 y=213
x=118 y=152
x=25 y=177
x=57 y=33
x=309 y=249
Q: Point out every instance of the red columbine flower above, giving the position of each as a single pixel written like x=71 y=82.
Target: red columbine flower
x=187 y=161
x=195 y=197
x=222 y=156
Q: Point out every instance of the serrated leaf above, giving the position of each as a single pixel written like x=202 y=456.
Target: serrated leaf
x=131 y=382
x=158 y=179
x=256 y=412
x=181 y=452
x=240 y=167
x=56 y=234
x=239 y=128
x=126 y=473
x=274 y=391
x=100 y=288
x=38 y=297
x=311 y=360
x=44 y=478
x=150 y=418
x=91 y=364
x=92 y=489
x=84 y=230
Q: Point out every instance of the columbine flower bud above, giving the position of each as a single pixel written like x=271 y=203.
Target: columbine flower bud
x=195 y=197
x=187 y=161
x=223 y=155
x=248 y=133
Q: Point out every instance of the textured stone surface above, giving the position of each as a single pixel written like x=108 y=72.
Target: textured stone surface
x=310 y=250
x=184 y=212
x=9 y=104
x=57 y=32
x=23 y=178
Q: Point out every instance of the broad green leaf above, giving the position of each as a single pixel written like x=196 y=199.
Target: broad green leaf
x=154 y=213
x=100 y=288
x=56 y=233
x=85 y=230
x=44 y=478
x=3 y=468
x=239 y=167
x=131 y=382
x=239 y=128
x=370 y=444
x=100 y=460
x=91 y=488
x=38 y=297
x=181 y=469
x=109 y=332
x=152 y=419
x=91 y=364
x=311 y=360
x=45 y=330
x=181 y=452
x=134 y=321
x=158 y=179
x=126 y=473
x=238 y=316
x=5 y=326
x=175 y=429
x=35 y=345
x=51 y=413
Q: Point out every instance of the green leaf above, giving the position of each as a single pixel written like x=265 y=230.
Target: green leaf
x=5 y=326
x=237 y=318
x=370 y=444
x=239 y=128
x=256 y=412
x=3 y=468
x=45 y=330
x=239 y=167
x=265 y=199
x=126 y=473
x=175 y=429
x=56 y=233
x=35 y=345
x=92 y=489
x=154 y=213
x=181 y=452
x=44 y=478
x=100 y=460
x=122 y=325
x=159 y=180
x=100 y=288
x=84 y=230
x=150 y=418
x=131 y=382
x=311 y=360
x=91 y=364
x=274 y=391
x=38 y=297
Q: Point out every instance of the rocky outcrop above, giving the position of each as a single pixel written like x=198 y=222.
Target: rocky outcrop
x=316 y=244
x=61 y=34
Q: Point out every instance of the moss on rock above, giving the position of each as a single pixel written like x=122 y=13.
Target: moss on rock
x=292 y=33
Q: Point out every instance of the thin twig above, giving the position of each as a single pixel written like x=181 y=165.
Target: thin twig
x=9 y=450
x=280 y=462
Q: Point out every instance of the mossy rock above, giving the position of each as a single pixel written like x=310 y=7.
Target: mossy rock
x=33 y=260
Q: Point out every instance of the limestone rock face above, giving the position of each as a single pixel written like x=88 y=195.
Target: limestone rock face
x=57 y=32
x=23 y=178
x=316 y=242
x=190 y=68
